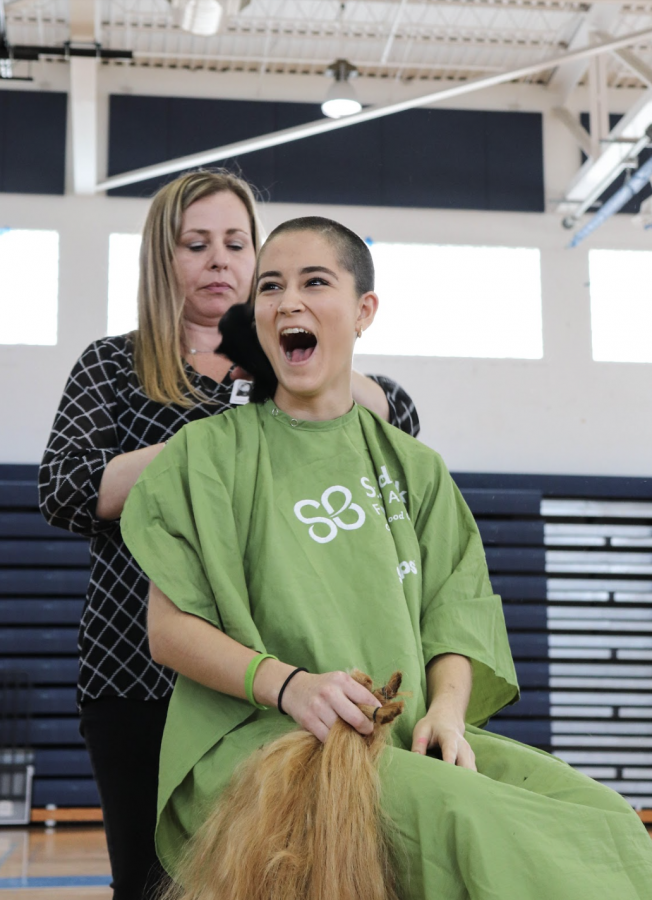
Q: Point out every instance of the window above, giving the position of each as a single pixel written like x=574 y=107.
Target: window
x=456 y=301
x=123 y=283
x=621 y=305
x=29 y=262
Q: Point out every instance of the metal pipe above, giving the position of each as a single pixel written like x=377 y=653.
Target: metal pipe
x=635 y=184
x=392 y=32
x=316 y=62
x=321 y=126
x=628 y=162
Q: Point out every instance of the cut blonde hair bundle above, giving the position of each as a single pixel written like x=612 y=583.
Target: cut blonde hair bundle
x=300 y=820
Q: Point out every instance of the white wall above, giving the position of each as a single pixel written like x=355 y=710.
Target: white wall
x=562 y=414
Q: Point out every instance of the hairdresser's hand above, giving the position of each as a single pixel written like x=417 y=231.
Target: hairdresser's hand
x=316 y=702
x=238 y=372
x=441 y=728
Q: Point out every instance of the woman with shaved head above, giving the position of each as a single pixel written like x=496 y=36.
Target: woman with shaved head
x=302 y=536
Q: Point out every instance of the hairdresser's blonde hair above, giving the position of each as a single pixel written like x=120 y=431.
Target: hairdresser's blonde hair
x=157 y=342
x=300 y=820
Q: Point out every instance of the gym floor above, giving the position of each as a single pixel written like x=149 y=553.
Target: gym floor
x=68 y=862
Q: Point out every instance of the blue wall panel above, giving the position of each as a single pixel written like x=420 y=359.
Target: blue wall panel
x=343 y=167
x=437 y=158
x=147 y=130
x=32 y=142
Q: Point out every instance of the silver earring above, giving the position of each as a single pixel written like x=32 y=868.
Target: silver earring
x=359 y=332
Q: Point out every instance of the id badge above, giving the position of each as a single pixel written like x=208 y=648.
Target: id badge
x=240 y=392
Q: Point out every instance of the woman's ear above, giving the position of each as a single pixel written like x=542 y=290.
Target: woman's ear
x=367 y=306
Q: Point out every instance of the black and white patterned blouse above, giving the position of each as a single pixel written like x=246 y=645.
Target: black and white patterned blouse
x=104 y=412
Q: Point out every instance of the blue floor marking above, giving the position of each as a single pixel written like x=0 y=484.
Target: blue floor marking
x=7 y=884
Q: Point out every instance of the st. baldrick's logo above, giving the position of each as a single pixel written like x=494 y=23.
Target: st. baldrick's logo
x=340 y=513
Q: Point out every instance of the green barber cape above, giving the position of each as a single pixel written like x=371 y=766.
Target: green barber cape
x=346 y=543
x=329 y=544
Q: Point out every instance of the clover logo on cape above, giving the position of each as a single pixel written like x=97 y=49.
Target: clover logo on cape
x=333 y=521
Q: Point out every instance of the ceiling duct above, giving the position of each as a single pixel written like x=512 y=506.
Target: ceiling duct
x=614 y=204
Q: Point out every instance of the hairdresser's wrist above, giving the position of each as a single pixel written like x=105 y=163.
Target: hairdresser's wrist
x=269 y=680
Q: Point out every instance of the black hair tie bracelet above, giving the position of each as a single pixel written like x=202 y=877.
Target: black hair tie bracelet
x=285 y=684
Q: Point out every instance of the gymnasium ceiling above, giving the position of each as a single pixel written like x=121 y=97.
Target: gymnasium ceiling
x=441 y=47
x=449 y=41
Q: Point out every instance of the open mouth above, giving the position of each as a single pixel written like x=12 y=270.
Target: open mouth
x=297 y=344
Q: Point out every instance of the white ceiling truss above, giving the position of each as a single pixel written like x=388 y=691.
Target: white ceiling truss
x=84 y=30
x=618 y=149
x=451 y=40
x=321 y=126
x=458 y=46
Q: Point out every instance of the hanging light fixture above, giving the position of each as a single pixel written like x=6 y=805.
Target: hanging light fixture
x=200 y=17
x=341 y=99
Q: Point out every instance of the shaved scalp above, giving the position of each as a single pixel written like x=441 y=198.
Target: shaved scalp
x=352 y=253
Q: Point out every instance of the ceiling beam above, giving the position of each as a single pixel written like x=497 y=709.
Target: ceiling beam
x=84 y=30
x=638 y=67
x=614 y=204
x=322 y=126
x=624 y=143
x=598 y=103
x=631 y=60
x=575 y=127
x=599 y=15
x=392 y=32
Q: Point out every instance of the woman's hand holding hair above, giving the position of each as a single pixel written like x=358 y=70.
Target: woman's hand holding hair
x=316 y=701
x=200 y=651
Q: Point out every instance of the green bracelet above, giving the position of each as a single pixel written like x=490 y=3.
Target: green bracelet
x=250 y=674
